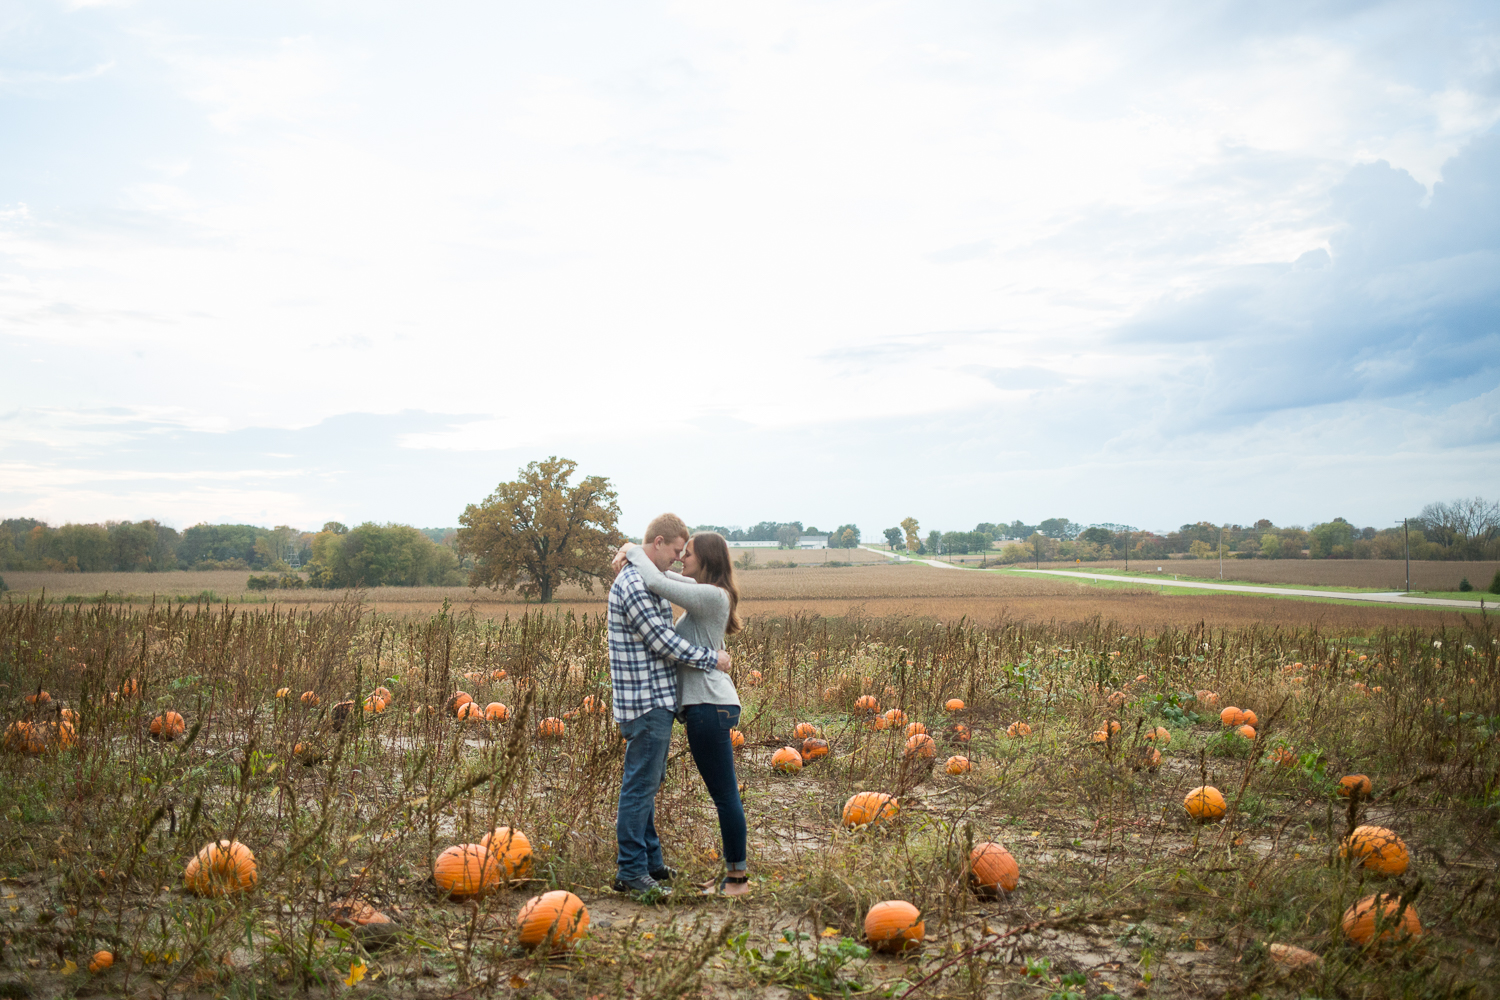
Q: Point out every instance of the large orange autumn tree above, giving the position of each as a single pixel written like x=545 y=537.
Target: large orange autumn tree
x=538 y=532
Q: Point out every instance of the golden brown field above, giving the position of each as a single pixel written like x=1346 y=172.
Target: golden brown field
x=1119 y=894
x=872 y=590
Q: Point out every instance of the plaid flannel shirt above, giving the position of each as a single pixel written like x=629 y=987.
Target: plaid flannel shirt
x=644 y=649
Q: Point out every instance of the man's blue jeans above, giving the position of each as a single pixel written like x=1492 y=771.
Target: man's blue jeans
x=647 y=739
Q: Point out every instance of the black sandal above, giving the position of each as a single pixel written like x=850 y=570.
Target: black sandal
x=717 y=889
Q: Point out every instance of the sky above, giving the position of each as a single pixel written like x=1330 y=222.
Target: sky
x=291 y=262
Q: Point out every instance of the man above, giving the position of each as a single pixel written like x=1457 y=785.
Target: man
x=644 y=651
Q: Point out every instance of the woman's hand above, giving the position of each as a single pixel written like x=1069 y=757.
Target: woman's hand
x=618 y=562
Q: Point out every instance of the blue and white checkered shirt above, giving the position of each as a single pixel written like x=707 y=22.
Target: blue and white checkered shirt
x=644 y=649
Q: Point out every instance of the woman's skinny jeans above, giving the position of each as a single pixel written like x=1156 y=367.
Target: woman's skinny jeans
x=708 y=729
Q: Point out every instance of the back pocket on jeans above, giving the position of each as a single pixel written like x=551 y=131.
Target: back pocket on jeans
x=729 y=717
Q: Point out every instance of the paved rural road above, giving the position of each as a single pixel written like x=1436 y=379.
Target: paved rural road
x=1437 y=602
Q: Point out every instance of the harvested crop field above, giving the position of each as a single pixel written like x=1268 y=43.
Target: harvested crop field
x=874 y=590
x=1118 y=893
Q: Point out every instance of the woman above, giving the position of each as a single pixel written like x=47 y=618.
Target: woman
x=708 y=704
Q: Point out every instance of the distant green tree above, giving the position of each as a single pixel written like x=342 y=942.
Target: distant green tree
x=894 y=537
x=788 y=536
x=1097 y=535
x=845 y=537
x=1331 y=540
x=83 y=548
x=143 y=546
x=380 y=555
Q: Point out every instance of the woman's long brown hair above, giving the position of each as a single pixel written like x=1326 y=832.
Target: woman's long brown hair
x=713 y=555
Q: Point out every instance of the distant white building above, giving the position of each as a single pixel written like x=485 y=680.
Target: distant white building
x=804 y=542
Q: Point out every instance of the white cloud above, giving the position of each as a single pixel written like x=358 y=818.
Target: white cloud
x=765 y=221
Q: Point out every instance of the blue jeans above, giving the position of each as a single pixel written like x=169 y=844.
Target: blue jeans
x=708 y=737
x=647 y=739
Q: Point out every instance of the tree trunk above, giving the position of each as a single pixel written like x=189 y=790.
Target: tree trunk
x=545 y=583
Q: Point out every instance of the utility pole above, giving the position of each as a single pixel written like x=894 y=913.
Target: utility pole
x=1221 y=552
x=1406 y=531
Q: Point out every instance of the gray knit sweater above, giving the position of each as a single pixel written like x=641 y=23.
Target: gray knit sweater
x=705 y=616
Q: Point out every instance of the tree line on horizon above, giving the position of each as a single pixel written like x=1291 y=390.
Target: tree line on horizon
x=540 y=531
x=1463 y=529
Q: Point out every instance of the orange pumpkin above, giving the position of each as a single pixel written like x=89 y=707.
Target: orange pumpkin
x=1207 y=699
x=470 y=711
x=1017 y=729
x=466 y=870
x=954 y=704
x=456 y=701
x=101 y=961
x=352 y=913
x=1205 y=803
x=866 y=703
x=283 y=692
x=831 y=694
x=1232 y=717
x=1247 y=731
x=1248 y=718
x=958 y=765
x=375 y=704
x=1117 y=700
x=383 y=693
x=754 y=678
x=496 y=712
x=893 y=925
x=895 y=717
x=220 y=869
x=497 y=675
x=473 y=676
x=960 y=732
x=40 y=698
x=130 y=687
x=804 y=730
x=736 y=739
x=914 y=729
x=168 y=726
x=1350 y=783
x=992 y=868
x=1376 y=849
x=786 y=760
x=1284 y=756
x=1114 y=726
x=1099 y=736
x=551 y=728
x=921 y=745
x=1151 y=758
x=1380 y=918
x=25 y=737
x=510 y=848
x=1161 y=736
x=68 y=715
x=813 y=748
x=864 y=808
x=594 y=706
x=876 y=723
x=556 y=918
x=310 y=698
